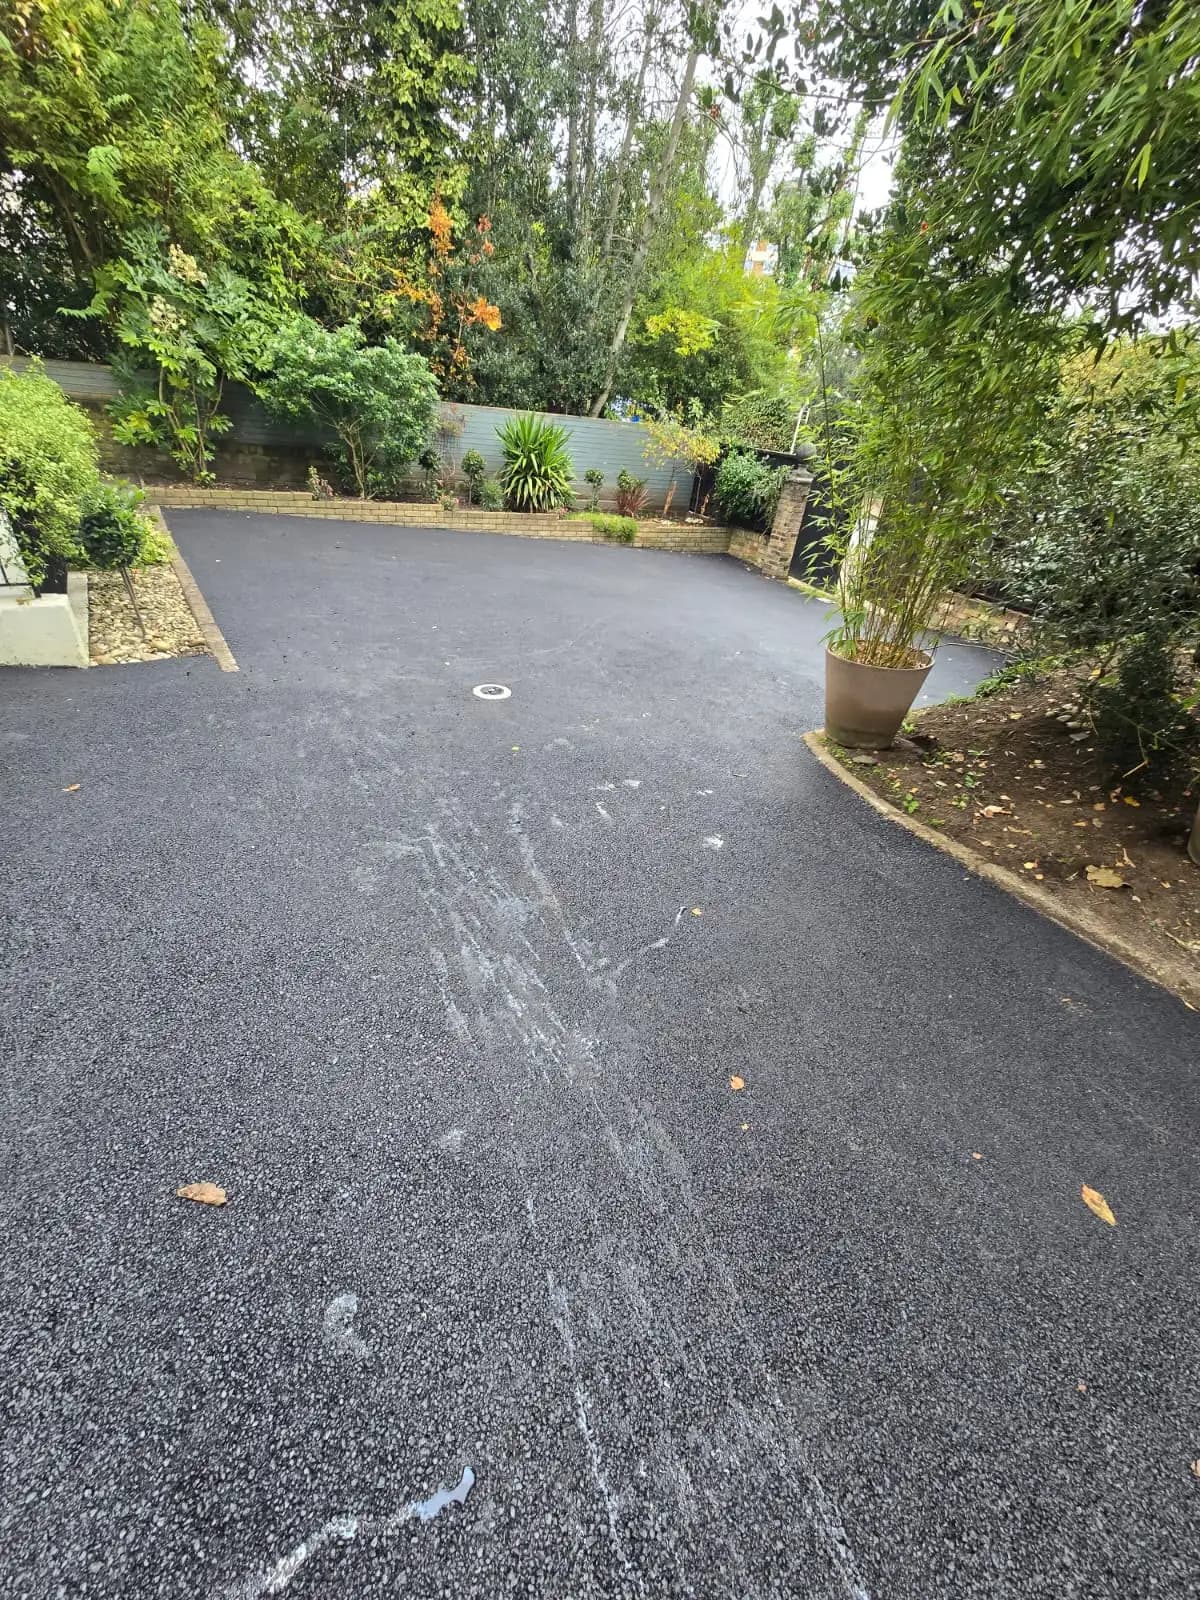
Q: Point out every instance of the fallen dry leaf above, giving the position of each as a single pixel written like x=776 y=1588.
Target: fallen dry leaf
x=71 y=788
x=1098 y=1205
x=976 y=1155
x=208 y=1194
x=1130 y=801
x=1082 y=1387
x=745 y=1127
x=697 y=911
x=1029 y=865
x=1195 y=1466
x=994 y=811
x=1105 y=878
x=737 y=1083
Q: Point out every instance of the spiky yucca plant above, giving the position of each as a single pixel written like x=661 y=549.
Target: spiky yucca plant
x=537 y=470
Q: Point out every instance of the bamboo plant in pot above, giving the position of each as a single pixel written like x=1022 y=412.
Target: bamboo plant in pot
x=903 y=528
x=898 y=571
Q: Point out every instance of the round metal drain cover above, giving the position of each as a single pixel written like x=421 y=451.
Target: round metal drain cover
x=491 y=691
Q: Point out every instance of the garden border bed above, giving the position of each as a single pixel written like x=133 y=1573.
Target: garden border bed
x=698 y=539
x=1178 y=978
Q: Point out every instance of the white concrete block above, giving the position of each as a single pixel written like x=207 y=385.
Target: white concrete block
x=49 y=632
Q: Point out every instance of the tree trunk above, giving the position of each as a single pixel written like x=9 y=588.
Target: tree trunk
x=587 y=164
x=635 y=111
x=1194 y=840
x=658 y=192
x=573 y=113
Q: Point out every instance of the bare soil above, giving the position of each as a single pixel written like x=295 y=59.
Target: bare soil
x=1018 y=777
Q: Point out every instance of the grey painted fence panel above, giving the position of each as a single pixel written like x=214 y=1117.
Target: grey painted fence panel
x=593 y=442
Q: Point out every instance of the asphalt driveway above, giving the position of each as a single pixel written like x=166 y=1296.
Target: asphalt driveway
x=448 y=995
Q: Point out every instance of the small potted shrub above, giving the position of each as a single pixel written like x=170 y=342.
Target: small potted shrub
x=474 y=470
x=594 y=478
x=631 y=494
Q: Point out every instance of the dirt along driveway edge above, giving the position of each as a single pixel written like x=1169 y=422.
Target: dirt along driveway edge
x=1179 y=978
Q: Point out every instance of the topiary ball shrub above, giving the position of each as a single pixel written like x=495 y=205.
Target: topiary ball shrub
x=110 y=530
x=474 y=470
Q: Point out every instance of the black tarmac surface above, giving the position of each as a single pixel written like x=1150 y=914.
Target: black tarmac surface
x=448 y=994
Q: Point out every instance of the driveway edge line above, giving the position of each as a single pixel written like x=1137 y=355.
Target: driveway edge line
x=1076 y=922
x=205 y=621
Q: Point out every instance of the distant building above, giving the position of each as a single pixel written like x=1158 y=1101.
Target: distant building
x=762 y=259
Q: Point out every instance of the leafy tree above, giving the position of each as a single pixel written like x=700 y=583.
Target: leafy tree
x=1078 y=125
x=1046 y=146
x=762 y=421
x=447 y=300
x=184 y=331
x=336 y=102
x=380 y=400
x=111 y=119
x=672 y=441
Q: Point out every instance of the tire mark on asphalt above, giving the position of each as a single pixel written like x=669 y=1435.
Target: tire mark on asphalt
x=487 y=965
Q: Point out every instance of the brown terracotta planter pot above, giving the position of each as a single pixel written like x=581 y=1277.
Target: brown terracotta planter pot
x=864 y=706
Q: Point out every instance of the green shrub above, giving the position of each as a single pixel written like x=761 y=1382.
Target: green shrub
x=380 y=400
x=430 y=464
x=1143 y=726
x=763 y=422
x=491 y=495
x=595 y=479
x=47 y=467
x=110 y=530
x=746 y=489
x=537 y=468
x=622 y=529
x=474 y=470
x=631 y=494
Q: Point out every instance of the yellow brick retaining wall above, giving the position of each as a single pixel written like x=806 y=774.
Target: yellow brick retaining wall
x=701 y=539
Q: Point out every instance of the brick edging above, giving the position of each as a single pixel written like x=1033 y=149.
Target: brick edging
x=197 y=604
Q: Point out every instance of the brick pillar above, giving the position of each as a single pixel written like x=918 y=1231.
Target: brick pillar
x=785 y=528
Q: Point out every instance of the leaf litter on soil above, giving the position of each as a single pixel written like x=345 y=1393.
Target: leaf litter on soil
x=1019 y=791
